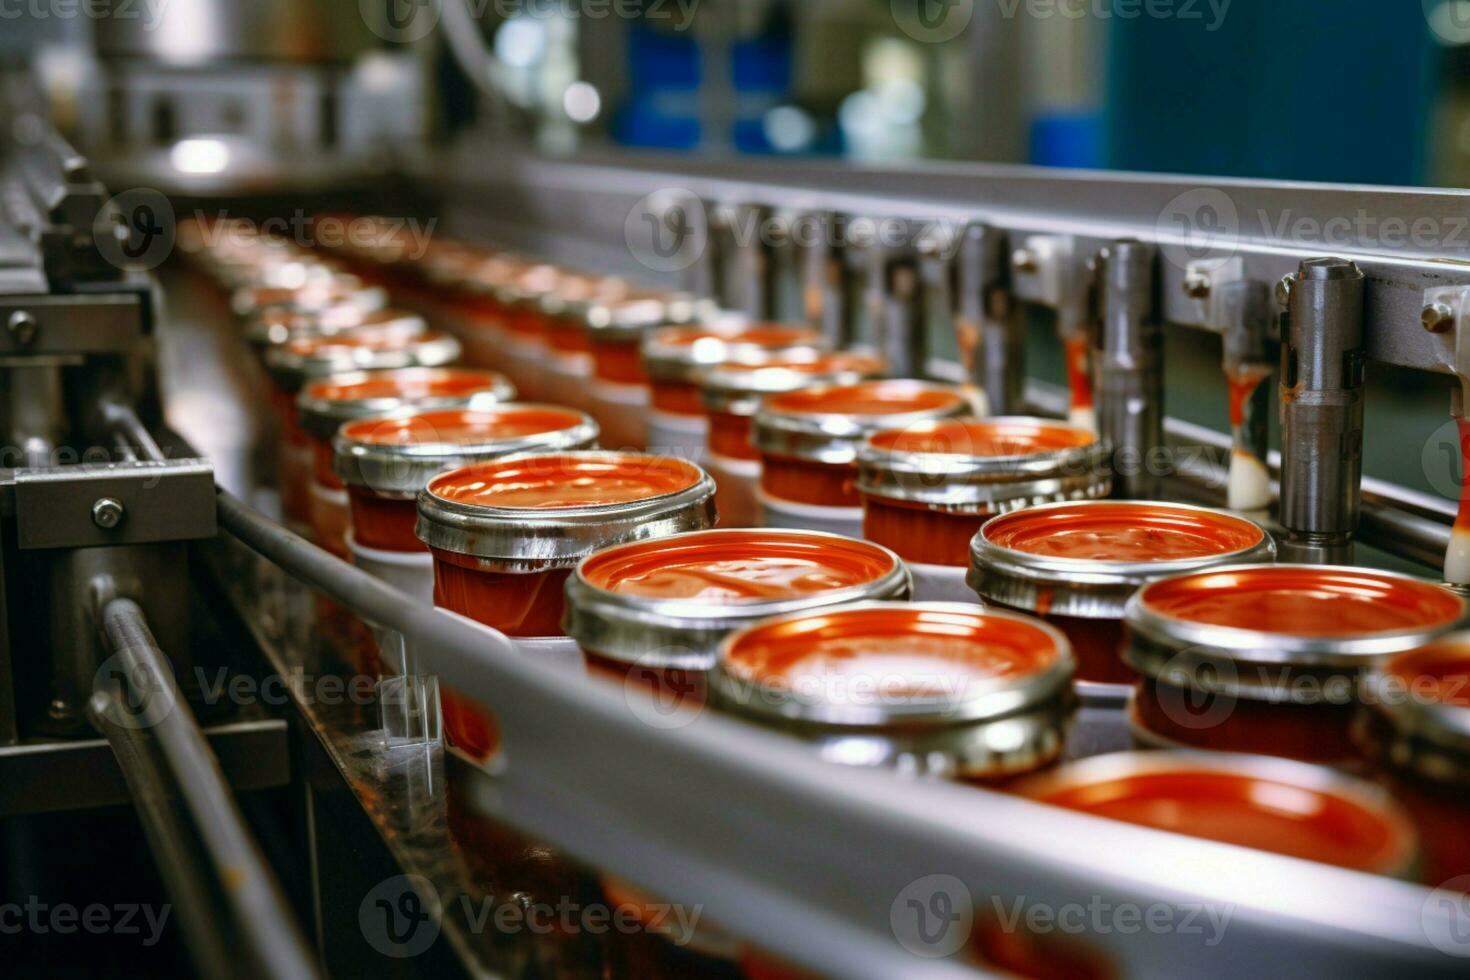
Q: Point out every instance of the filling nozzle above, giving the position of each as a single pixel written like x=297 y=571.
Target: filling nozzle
x=987 y=329
x=1128 y=364
x=1046 y=269
x=1244 y=312
x=1322 y=363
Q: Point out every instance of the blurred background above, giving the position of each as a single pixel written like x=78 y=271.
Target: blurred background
x=1259 y=88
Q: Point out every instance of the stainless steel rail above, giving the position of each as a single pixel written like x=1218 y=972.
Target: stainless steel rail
x=148 y=700
x=818 y=860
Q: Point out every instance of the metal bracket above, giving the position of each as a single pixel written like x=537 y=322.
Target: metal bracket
x=1447 y=311
x=115 y=504
x=108 y=323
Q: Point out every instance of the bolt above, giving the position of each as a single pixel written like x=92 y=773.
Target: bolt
x=1283 y=290
x=1024 y=260
x=23 y=328
x=107 y=513
x=1197 y=285
x=1438 y=317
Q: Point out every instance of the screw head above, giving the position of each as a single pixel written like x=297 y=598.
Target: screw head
x=23 y=328
x=107 y=513
x=1438 y=317
x=1283 y=290
x=1197 y=285
x=1024 y=260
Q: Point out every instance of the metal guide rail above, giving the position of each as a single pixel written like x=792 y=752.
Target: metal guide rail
x=812 y=858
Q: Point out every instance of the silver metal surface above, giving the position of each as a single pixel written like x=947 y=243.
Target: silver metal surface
x=322 y=416
x=738 y=389
x=990 y=336
x=669 y=356
x=657 y=633
x=161 y=501
x=1252 y=662
x=1129 y=366
x=833 y=438
x=520 y=539
x=1322 y=411
x=404 y=469
x=292 y=370
x=955 y=481
x=149 y=697
x=1083 y=587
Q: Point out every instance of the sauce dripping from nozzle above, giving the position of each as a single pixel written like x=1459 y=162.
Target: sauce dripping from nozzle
x=1250 y=481
x=1457 y=558
x=1079 y=381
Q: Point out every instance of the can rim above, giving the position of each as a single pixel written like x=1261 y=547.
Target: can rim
x=833 y=437
x=521 y=539
x=685 y=634
x=980 y=703
x=322 y=416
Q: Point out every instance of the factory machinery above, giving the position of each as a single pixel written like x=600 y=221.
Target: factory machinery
x=150 y=559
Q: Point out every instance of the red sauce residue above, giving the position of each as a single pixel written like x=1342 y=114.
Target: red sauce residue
x=768 y=336
x=996 y=437
x=1103 y=531
x=1299 y=601
x=360 y=338
x=817 y=484
x=725 y=567
x=1440 y=671
x=919 y=651
x=1462 y=519
x=560 y=481
x=917 y=534
x=462 y=427
x=867 y=398
x=410 y=384
x=1257 y=812
x=1243 y=383
x=843 y=362
x=1079 y=370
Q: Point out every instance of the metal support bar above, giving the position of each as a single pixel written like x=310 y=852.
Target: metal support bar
x=1129 y=367
x=1322 y=410
x=988 y=330
x=258 y=909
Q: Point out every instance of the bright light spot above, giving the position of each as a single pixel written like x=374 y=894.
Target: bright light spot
x=902 y=101
x=581 y=102
x=859 y=113
x=200 y=156
x=521 y=42
x=789 y=129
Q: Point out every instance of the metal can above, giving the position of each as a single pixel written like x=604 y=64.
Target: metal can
x=935 y=689
x=386 y=461
x=732 y=394
x=1417 y=731
x=1270 y=658
x=808 y=442
x=506 y=535
x=1309 y=812
x=1077 y=565
x=525 y=324
x=619 y=393
x=293 y=364
x=655 y=612
x=568 y=367
x=676 y=358
x=927 y=488
x=317 y=290
x=280 y=326
x=325 y=406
